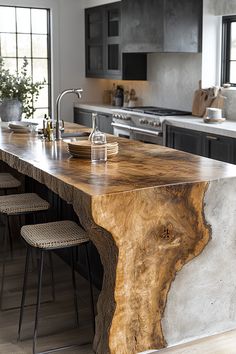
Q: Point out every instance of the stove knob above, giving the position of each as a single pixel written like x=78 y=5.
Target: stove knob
x=156 y=124
x=151 y=123
x=127 y=118
x=143 y=121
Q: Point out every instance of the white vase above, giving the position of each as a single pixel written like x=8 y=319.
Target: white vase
x=10 y=110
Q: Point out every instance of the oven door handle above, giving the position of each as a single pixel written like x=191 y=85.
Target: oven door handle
x=122 y=126
x=137 y=130
x=146 y=132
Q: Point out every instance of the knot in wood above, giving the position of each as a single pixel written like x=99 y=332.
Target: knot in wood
x=167 y=233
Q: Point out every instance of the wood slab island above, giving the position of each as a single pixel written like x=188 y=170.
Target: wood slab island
x=163 y=222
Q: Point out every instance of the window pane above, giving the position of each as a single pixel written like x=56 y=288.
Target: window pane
x=10 y=64
x=39 y=45
x=24 y=45
x=40 y=69
x=233 y=41
x=8 y=45
x=39 y=21
x=23 y=20
x=7 y=19
x=43 y=98
x=233 y=72
x=24 y=32
x=28 y=68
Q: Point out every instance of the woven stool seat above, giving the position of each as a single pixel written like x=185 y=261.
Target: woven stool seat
x=22 y=203
x=8 y=181
x=52 y=235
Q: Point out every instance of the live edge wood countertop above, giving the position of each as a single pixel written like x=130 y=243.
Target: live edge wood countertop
x=143 y=210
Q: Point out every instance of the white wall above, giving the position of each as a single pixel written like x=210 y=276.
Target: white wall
x=211 y=45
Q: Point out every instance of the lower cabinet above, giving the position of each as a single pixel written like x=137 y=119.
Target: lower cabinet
x=84 y=117
x=184 y=139
x=214 y=146
x=219 y=147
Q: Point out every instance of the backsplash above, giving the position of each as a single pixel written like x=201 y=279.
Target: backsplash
x=172 y=79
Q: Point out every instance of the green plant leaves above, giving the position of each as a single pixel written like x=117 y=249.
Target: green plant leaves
x=20 y=86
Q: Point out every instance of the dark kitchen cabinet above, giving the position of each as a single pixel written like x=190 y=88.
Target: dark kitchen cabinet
x=214 y=146
x=104 y=121
x=219 y=148
x=84 y=117
x=184 y=139
x=102 y=41
x=161 y=25
x=103 y=55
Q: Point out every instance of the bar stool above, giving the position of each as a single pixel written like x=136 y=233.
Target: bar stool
x=17 y=205
x=45 y=238
x=7 y=181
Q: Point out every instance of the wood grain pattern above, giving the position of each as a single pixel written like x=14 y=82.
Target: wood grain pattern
x=153 y=238
x=144 y=212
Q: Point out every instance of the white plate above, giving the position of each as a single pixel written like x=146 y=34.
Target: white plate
x=22 y=127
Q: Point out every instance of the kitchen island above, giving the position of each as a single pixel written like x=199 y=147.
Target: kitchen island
x=163 y=223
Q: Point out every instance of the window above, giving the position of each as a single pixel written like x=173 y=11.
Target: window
x=229 y=50
x=24 y=32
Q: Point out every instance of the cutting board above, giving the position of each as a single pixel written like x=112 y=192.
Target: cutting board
x=201 y=100
x=204 y=98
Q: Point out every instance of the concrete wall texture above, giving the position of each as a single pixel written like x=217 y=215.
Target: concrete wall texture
x=201 y=300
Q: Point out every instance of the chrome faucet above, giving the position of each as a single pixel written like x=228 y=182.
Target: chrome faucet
x=77 y=92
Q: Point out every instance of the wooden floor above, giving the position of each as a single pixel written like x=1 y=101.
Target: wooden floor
x=57 y=325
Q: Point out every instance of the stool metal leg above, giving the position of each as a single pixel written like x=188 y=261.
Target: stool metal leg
x=74 y=285
x=52 y=276
x=4 y=262
x=10 y=236
x=7 y=239
x=40 y=274
x=90 y=288
x=24 y=291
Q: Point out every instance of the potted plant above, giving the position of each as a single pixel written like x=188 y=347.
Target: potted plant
x=17 y=92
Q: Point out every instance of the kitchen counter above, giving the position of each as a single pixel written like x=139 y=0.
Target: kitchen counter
x=227 y=128
x=158 y=219
x=97 y=107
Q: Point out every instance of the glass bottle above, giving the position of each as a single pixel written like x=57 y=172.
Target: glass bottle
x=98 y=143
x=94 y=125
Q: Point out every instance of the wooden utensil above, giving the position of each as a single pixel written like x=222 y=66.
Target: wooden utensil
x=203 y=98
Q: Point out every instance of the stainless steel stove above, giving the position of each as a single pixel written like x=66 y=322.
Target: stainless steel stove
x=142 y=123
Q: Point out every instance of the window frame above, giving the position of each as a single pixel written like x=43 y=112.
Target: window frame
x=49 y=59
x=226 y=46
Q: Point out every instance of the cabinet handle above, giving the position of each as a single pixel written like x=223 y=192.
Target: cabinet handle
x=212 y=137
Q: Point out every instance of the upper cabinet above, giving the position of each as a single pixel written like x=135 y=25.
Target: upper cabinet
x=119 y=35
x=104 y=58
x=102 y=33
x=161 y=25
